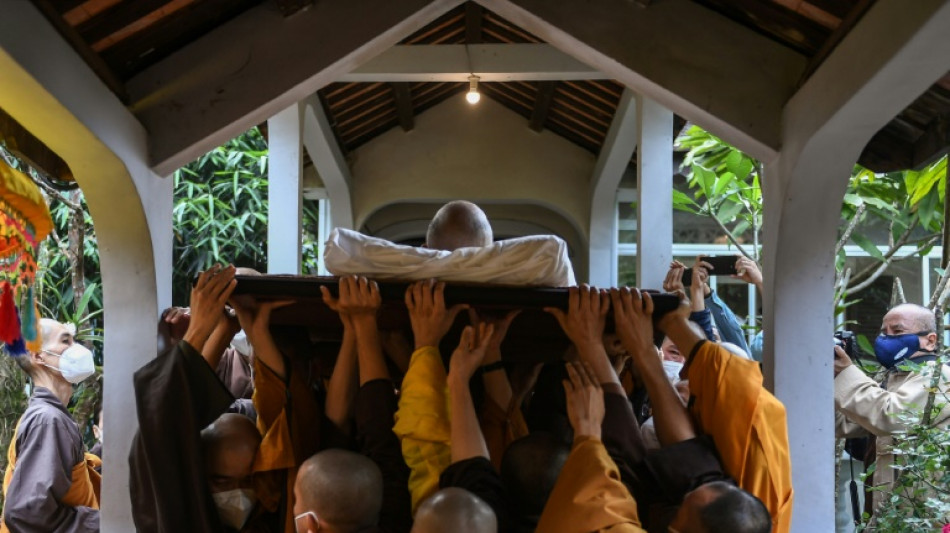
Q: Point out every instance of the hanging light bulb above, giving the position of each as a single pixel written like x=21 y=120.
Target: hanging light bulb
x=473 y=95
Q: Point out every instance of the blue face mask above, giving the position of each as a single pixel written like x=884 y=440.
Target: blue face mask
x=892 y=349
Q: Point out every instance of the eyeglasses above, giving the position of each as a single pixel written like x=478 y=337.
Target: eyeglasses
x=301 y=515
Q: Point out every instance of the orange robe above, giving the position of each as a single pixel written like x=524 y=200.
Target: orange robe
x=747 y=424
x=589 y=495
x=288 y=418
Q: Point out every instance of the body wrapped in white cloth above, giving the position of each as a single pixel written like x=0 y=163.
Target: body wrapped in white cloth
x=537 y=260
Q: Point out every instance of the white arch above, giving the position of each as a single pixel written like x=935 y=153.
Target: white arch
x=51 y=92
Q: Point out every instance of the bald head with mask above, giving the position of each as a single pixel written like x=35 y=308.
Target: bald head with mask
x=230 y=444
x=458 y=224
x=337 y=491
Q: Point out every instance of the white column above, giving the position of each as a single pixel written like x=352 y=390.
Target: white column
x=327 y=156
x=53 y=93
x=655 y=193
x=285 y=190
x=323 y=232
x=613 y=160
x=895 y=52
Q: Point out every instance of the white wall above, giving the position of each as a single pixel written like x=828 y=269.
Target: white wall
x=481 y=152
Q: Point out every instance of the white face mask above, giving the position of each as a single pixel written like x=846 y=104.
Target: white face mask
x=672 y=370
x=235 y=506
x=75 y=363
x=242 y=344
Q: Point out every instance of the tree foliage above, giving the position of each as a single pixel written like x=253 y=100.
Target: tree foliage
x=220 y=213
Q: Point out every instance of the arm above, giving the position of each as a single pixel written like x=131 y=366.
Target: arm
x=344 y=380
x=42 y=477
x=497 y=387
x=588 y=495
x=584 y=324
x=467 y=438
x=225 y=330
x=422 y=421
x=748 y=271
x=633 y=314
x=730 y=329
x=867 y=404
x=254 y=318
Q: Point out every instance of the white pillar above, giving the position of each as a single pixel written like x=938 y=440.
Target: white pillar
x=895 y=52
x=654 y=193
x=285 y=191
x=613 y=160
x=327 y=156
x=323 y=232
x=53 y=93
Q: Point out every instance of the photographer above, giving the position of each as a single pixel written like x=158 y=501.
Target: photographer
x=862 y=406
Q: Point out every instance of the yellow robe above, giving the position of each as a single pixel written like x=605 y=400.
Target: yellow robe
x=422 y=423
x=747 y=424
x=589 y=495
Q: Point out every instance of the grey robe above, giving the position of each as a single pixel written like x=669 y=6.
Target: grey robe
x=48 y=446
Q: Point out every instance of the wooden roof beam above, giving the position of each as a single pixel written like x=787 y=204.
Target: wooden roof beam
x=289 y=7
x=644 y=50
x=473 y=23
x=491 y=62
x=404 y=105
x=240 y=74
x=934 y=143
x=82 y=48
x=542 y=104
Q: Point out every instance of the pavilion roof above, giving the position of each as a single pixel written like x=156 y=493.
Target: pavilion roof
x=121 y=38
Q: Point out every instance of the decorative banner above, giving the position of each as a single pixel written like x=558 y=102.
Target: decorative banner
x=24 y=223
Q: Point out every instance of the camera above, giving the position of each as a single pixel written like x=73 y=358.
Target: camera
x=845 y=339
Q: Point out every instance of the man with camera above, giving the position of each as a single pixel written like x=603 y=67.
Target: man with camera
x=862 y=406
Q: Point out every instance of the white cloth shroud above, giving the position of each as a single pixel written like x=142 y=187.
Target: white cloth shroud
x=536 y=260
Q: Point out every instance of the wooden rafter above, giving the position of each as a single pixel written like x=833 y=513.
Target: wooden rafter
x=289 y=7
x=403 y=105
x=542 y=104
x=76 y=41
x=843 y=29
x=473 y=23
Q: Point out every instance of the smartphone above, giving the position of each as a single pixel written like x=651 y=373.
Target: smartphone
x=723 y=265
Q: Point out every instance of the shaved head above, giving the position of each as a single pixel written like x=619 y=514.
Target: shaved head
x=246 y=271
x=454 y=509
x=721 y=507
x=529 y=469
x=912 y=318
x=920 y=317
x=458 y=224
x=230 y=444
x=344 y=489
x=54 y=336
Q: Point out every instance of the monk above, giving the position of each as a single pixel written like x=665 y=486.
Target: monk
x=458 y=224
x=186 y=444
x=455 y=509
x=752 y=443
x=50 y=483
x=338 y=491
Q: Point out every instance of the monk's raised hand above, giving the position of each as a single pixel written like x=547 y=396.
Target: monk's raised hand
x=208 y=297
x=430 y=319
x=585 y=400
x=586 y=315
x=358 y=296
x=470 y=352
x=633 y=320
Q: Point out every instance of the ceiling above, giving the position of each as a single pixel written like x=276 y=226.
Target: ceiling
x=121 y=38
